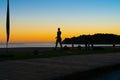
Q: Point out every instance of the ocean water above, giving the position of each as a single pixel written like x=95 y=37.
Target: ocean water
x=18 y=45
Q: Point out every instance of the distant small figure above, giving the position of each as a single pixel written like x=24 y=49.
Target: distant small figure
x=72 y=45
x=58 y=39
x=79 y=47
x=113 y=47
x=66 y=48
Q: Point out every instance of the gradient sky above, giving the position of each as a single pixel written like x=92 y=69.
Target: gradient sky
x=38 y=20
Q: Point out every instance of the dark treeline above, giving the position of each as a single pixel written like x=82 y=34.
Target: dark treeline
x=94 y=39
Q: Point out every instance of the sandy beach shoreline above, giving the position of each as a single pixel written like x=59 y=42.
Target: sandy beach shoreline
x=59 y=68
x=26 y=49
x=48 y=64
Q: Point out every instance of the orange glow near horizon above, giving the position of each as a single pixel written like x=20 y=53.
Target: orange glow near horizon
x=23 y=32
x=43 y=34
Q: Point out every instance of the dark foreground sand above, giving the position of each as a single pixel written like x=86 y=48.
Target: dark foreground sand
x=26 y=49
x=58 y=68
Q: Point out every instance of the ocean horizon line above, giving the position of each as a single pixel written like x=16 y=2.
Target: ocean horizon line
x=47 y=44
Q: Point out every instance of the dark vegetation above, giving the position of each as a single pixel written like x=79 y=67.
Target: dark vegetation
x=94 y=39
x=16 y=54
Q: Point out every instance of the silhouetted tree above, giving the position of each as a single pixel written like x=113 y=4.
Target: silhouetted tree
x=94 y=39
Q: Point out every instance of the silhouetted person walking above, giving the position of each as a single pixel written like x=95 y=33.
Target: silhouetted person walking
x=58 y=39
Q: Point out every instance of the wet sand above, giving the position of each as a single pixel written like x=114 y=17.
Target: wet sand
x=24 y=49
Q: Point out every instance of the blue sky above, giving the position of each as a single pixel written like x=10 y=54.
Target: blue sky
x=63 y=7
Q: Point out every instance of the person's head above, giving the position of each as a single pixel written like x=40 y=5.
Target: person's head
x=58 y=29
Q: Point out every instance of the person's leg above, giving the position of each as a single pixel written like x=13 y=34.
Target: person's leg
x=56 y=44
x=60 y=44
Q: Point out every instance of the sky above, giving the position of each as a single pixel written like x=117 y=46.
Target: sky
x=38 y=20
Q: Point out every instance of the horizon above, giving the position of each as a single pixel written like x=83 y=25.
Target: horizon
x=38 y=20
x=52 y=41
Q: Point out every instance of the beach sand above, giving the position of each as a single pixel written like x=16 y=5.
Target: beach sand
x=24 y=49
x=56 y=68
